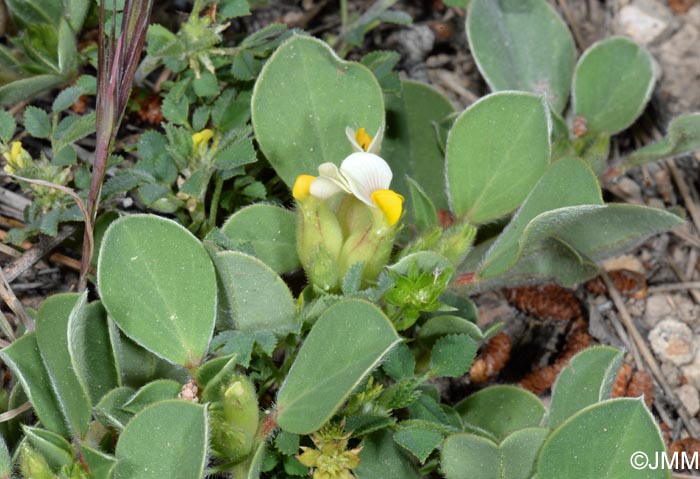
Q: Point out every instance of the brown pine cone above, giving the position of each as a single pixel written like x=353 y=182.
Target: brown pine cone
x=492 y=359
x=545 y=301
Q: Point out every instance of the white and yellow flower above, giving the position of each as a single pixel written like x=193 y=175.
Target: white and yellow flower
x=337 y=232
x=364 y=175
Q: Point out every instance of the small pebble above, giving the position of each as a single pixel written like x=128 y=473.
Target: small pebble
x=690 y=398
x=673 y=341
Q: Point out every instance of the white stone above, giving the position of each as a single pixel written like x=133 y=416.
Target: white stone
x=673 y=341
x=641 y=26
x=690 y=398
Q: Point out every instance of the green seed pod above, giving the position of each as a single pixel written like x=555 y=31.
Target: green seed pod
x=456 y=242
x=234 y=420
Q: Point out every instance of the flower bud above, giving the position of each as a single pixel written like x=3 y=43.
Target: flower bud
x=456 y=242
x=235 y=420
x=319 y=239
x=371 y=245
x=32 y=464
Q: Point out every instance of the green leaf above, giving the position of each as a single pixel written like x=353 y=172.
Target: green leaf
x=423 y=207
x=287 y=443
x=252 y=296
x=683 y=137
x=8 y=125
x=501 y=410
x=410 y=145
x=439 y=326
x=586 y=380
x=101 y=464
x=27 y=88
x=109 y=410
x=452 y=355
x=233 y=8
x=400 y=363
x=238 y=154
x=566 y=244
x=158 y=284
x=382 y=64
x=77 y=129
x=176 y=436
x=497 y=150
x=418 y=439
x=323 y=375
x=382 y=457
x=206 y=85
x=466 y=456
x=270 y=230
x=66 y=98
x=37 y=122
x=52 y=337
x=612 y=84
x=612 y=432
x=597 y=232
x=54 y=448
x=153 y=392
x=23 y=358
x=522 y=45
x=67 y=50
x=304 y=99
x=568 y=182
x=91 y=354
x=6 y=464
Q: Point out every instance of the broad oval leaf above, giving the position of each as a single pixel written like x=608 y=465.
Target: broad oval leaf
x=304 y=99
x=496 y=151
x=158 y=284
x=410 y=143
x=52 y=337
x=612 y=84
x=253 y=296
x=612 y=432
x=501 y=410
x=568 y=182
x=466 y=456
x=382 y=457
x=345 y=344
x=586 y=380
x=270 y=231
x=168 y=439
x=522 y=45
x=25 y=361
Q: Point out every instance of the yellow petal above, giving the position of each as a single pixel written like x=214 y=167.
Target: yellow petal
x=302 y=187
x=16 y=154
x=201 y=138
x=390 y=202
x=363 y=139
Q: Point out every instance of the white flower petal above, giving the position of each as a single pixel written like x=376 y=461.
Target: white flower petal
x=375 y=145
x=366 y=173
x=352 y=137
x=330 y=172
x=324 y=188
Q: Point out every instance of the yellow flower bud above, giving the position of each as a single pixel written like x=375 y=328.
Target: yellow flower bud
x=302 y=187
x=391 y=203
x=201 y=138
